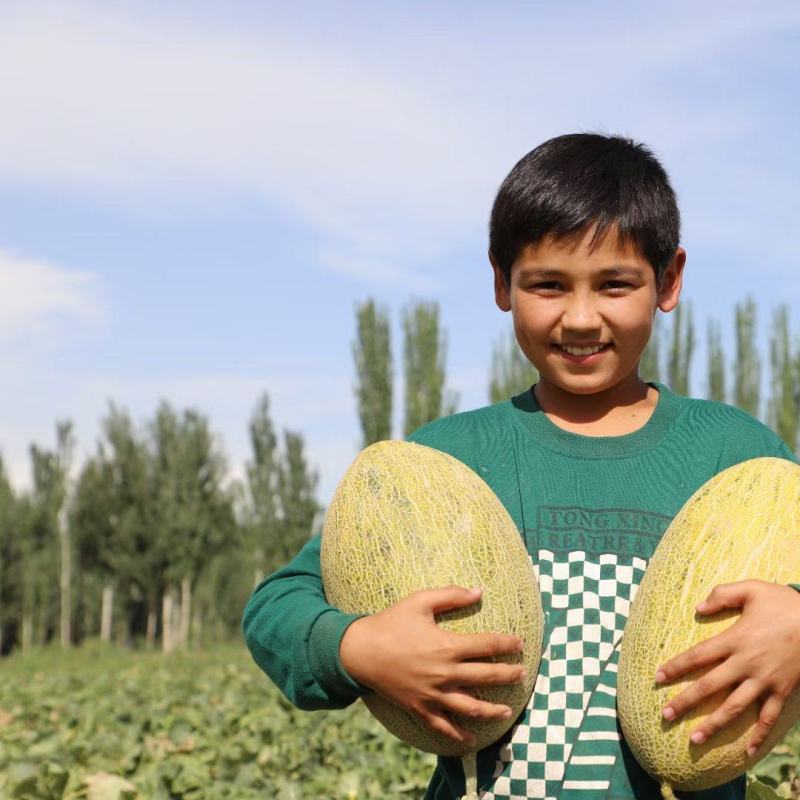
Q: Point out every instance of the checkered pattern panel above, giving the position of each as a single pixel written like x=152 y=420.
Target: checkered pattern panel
x=586 y=602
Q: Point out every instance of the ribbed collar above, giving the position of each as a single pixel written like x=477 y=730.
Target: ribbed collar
x=530 y=414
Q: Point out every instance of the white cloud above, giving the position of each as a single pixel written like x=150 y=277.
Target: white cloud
x=392 y=161
x=374 y=269
x=108 y=102
x=35 y=295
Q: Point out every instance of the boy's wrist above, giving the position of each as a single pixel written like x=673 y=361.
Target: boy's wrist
x=324 y=641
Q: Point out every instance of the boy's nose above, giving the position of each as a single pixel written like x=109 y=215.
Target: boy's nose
x=580 y=314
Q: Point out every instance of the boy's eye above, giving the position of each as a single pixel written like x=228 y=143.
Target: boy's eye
x=553 y=285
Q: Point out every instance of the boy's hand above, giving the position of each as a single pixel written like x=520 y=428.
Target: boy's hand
x=403 y=655
x=757 y=657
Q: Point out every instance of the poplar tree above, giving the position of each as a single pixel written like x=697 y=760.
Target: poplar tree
x=33 y=565
x=130 y=556
x=297 y=486
x=7 y=556
x=373 y=361
x=194 y=513
x=649 y=366
x=424 y=365
x=716 y=364
x=784 y=404
x=48 y=550
x=681 y=350
x=511 y=372
x=261 y=517
x=747 y=367
x=64 y=452
x=92 y=521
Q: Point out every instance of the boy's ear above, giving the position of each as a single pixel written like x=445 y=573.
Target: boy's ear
x=672 y=281
x=501 y=293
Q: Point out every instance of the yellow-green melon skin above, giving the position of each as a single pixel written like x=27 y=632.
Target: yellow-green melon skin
x=742 y=524
x=406 y=517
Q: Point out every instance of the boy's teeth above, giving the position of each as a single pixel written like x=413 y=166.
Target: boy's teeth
x=582 y=351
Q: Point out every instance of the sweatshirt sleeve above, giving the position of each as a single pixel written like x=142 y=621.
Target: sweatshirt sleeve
x=294 y=635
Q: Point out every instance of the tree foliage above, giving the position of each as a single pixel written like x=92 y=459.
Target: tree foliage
x=716 y=386
x=424 y=363
x=154 y=511
x=650 y=364
x=681 y=350
x=510 y=371
x=373 y=359
x=747 y=365
x=784 y=405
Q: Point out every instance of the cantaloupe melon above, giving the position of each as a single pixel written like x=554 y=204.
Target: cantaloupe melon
x=742 y=524
x=407 y=517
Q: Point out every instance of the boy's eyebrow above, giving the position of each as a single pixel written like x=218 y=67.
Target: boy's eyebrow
x=620 y=271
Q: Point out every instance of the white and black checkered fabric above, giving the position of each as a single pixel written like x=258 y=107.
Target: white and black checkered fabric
x=572 y=708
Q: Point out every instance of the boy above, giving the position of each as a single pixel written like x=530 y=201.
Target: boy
x=592 y=463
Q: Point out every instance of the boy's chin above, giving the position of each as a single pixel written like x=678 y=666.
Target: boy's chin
x=585 y=385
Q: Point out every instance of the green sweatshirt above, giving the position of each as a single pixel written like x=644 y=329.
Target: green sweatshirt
x=591 y=511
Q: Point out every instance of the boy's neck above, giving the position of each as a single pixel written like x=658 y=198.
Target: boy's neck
x=622 y=409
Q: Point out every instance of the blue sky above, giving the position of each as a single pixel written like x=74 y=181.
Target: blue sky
x=193 y=201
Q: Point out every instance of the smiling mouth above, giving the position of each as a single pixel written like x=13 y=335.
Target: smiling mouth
x=585 y=351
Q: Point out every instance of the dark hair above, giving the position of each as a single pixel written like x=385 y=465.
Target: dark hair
x=570 y=183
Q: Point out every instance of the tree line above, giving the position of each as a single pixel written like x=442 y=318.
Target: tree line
x=150 y=540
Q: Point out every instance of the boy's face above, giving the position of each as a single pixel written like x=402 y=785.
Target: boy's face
x=563 y=294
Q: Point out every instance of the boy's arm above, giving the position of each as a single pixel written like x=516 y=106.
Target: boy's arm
x=758 y=658
x=294 y=634
x=295 y=637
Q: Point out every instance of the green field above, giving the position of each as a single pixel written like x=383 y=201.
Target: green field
x=200 y=725
x=106 y=724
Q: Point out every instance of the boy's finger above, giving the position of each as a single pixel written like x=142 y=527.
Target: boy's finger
x=439 y=722
x=491 y=674
x=767 y=718
x=712 y=682
x=470 y=707
x=726 y=595
x=744 y=694
x=434 y=601
x=701 y=655
x=480 y=645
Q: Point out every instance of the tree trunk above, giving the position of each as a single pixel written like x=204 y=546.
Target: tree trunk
x=66 y=579
x=152 y=621
x=197 y=628
x=41 y=625
x=27 y=630
x=175 y=624
x=122 y=630
x=259 y=576
x=107 y=613
x=166 y=621
x=186 y=610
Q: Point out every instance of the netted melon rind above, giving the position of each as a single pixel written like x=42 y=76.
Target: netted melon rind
x=407 y=517
x=742 y=524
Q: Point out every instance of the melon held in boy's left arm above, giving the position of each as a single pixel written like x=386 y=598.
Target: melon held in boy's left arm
x=757 y=659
